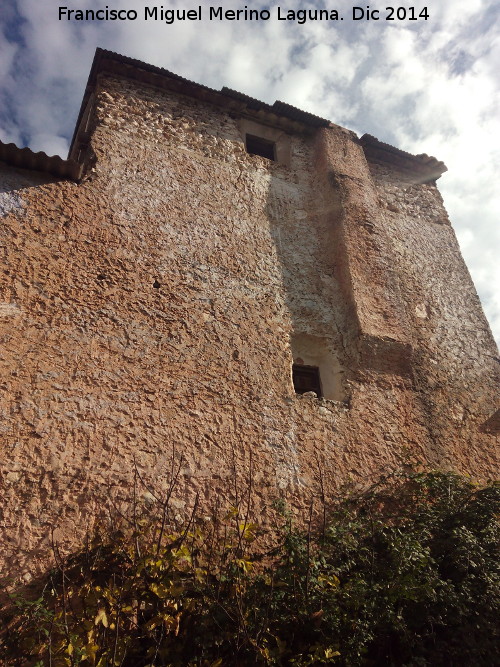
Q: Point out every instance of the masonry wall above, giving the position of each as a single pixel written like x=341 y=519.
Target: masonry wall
x=456 y=363
x=154 y=310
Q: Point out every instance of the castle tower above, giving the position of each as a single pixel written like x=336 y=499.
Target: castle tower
x=243 y=283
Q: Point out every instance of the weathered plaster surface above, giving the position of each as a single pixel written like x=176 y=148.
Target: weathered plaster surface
x=456 y=366
x=152 y=306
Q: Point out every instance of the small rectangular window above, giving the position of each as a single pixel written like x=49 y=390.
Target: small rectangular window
x=263 y=147
x=306 y=378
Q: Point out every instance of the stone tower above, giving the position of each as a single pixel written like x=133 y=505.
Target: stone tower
x=234 y=281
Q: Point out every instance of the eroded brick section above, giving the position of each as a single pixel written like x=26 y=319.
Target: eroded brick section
x=153 y=306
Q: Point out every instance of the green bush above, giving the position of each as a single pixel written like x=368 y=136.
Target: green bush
x=404 y=574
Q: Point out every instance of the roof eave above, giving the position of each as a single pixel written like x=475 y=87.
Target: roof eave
x=425 y=168
x=25 y=158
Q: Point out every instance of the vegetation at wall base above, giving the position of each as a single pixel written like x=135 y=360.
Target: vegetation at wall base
x=405 y=573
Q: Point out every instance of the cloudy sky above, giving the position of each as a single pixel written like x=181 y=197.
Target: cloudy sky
x=426 y=86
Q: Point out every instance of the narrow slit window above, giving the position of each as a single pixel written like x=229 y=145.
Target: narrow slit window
x=258 y=146
x=306 y=378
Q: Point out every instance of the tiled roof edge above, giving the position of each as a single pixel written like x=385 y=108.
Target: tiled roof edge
x=25 y=158
x=278 y=108
x=427 y=167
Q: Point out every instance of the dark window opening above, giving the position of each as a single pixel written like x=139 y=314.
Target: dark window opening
x=258 y=146
x=306 y=378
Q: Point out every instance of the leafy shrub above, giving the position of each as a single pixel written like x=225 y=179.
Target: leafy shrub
x=404 y=574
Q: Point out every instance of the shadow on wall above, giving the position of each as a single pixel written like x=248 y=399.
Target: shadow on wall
x=302 y=210
x=13 y=182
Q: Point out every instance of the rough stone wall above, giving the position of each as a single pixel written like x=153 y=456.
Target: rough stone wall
x=152 y=308
x=456 y=363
